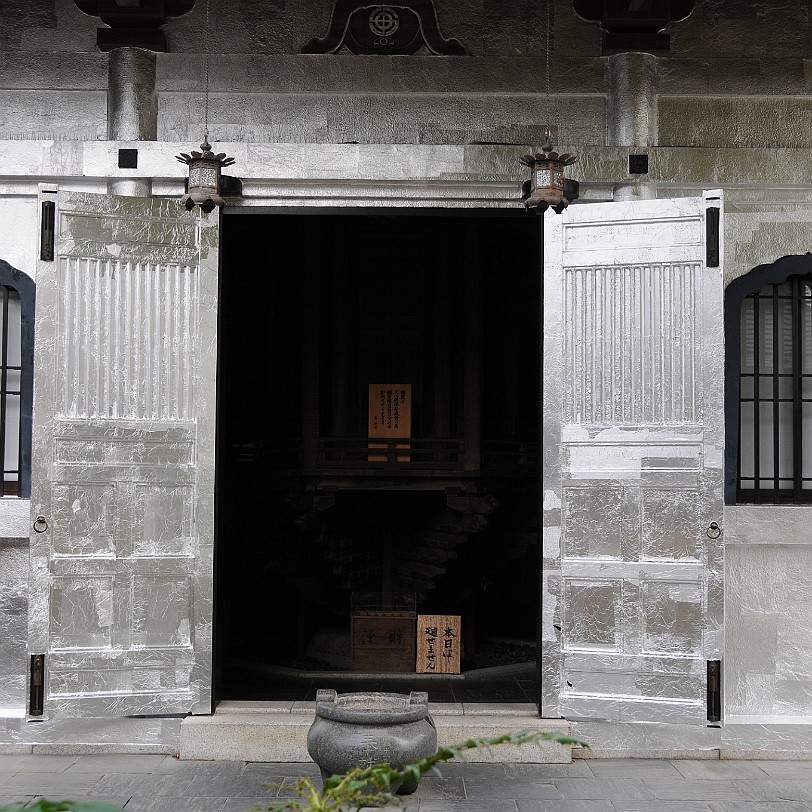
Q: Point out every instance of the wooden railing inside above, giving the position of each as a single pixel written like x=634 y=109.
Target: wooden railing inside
x=400 y=453
x=363 y=454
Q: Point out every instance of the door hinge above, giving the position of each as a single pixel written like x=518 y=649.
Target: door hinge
x=37 y=693
x=712 y=236
x=47 y=227
x=714 y=690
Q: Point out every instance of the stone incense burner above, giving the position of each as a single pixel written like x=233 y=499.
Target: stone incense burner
x=367 y=728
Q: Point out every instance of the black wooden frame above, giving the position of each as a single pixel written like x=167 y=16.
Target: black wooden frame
x=25 y=287
x=798 y=271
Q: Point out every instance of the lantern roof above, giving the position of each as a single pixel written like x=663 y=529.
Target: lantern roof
x=563 y=158
x=205 y=155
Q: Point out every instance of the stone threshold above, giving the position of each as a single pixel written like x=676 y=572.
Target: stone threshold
x=277 y=732
x=441 y=709
x=774 y=741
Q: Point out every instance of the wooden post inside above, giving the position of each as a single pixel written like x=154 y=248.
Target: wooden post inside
x=340 y=390
x=443 y=337
x=310 y=360
x=473 y=351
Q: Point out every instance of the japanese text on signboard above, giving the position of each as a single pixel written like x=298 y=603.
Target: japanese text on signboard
x=438 y=644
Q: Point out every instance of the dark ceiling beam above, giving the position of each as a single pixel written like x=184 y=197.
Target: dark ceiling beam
x=634 y=25
x=133 y=23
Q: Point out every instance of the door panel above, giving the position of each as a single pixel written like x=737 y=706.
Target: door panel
x=633 y=434
x=124 y=458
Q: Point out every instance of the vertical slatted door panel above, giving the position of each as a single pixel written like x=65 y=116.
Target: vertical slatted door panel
x=632 y=476
x=124 y=458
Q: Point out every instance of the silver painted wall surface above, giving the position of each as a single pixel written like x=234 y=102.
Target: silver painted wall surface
x=13 y=625
x=768 y=550
x=720 y=85
x=768 y=660
x=758 y=232
x=724 y=95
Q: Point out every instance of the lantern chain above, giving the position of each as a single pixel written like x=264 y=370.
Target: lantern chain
x=205 y=144
x=548 y=111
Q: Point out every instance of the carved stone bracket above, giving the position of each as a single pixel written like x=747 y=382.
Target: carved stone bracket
x=135 y=24
x=634 y=25
x=384 y=29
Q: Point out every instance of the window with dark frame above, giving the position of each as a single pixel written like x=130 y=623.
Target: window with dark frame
x=10 y=389
x=17 y=310
x=774 y=454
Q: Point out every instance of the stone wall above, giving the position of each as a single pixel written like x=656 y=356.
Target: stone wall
x=722 y=84
x=768 y=657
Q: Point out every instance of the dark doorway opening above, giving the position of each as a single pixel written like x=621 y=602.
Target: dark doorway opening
x=312 y=516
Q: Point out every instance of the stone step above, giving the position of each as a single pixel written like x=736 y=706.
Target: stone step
x=277 y=732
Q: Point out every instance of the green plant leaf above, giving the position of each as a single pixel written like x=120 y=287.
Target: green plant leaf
x=370 y=786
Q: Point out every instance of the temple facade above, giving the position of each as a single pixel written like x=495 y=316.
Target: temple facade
x=246 y=450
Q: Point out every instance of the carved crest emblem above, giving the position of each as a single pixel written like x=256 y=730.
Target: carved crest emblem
x=401 y=28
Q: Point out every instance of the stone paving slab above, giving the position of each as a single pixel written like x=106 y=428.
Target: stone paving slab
x=6 y=800
x=154 y=783
x=211 y=770
x=662 y=806
x=234 y=786
x=112 y=764
x=715 y=770
x=565 y=806
x=262 y=768
x=776 y=789
x=242 y=804
x=596 y=789
x=504 y=805
x=171 y=803
x=120 y=800
x=528 y=788
x=129 y=784
x=780 y=769
x=759 y=806
x=37 y=764
x=631 y=768
x=577 y=769
x=52 y=784
x=684 y=790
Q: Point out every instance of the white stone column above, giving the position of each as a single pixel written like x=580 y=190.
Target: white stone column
x=631 y=112
x=132 y=108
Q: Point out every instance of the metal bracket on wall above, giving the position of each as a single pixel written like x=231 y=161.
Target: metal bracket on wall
x=47 y=231
x=37 y=692
x=712 y=237
x=714 y=690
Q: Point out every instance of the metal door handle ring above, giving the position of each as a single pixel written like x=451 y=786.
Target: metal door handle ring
x=713 y=531
x=40 y=524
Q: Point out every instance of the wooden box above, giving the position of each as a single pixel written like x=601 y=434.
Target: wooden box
x=382 y=632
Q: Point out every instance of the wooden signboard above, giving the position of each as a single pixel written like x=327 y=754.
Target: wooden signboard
x=438 y=644
x=390 y=416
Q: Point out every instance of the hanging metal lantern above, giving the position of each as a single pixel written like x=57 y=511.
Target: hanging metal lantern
x=204 y=177
x=548 y=186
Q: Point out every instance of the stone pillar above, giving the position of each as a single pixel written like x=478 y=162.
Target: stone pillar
x=132 y=108
x=631 y=112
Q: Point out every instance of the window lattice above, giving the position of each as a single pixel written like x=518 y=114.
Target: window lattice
x=775 y=403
